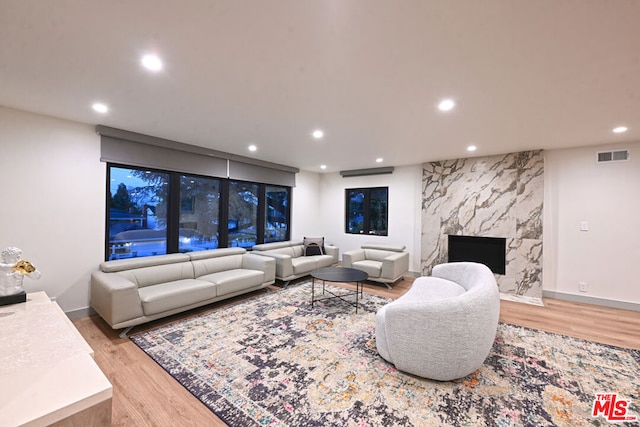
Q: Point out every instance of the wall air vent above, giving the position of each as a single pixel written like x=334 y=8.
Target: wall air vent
x=365 y=172
x=613 y=156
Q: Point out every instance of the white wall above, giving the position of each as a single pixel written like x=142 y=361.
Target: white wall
x=607 y=196
x=305 y=213
x=404 y=210
x=53 y=201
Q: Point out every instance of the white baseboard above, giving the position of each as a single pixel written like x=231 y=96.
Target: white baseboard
x=81 y=312
x=624 y=305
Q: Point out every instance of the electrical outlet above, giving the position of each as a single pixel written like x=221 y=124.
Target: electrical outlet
x=582 y=286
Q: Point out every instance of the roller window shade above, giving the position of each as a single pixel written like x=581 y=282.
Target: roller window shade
x=254 y=173
x=149 y=156
x=134 y=149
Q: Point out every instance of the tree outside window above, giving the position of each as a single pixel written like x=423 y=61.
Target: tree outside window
x=276 y=227
x=199 y=213
x=151 y=212
x=137 y=217
x=243 y=214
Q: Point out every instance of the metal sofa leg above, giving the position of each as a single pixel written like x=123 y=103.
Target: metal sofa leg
x=124 y=332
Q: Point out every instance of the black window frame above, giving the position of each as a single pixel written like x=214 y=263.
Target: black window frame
x=174 y=206
x=366 y=211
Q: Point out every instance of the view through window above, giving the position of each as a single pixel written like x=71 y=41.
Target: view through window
x=199 y=213
x=137 y=213
x=157 y=212
x=367 y=211
x=243 y=214
x=276 y=226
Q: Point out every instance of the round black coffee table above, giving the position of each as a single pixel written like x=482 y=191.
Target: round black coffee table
x=338 y=274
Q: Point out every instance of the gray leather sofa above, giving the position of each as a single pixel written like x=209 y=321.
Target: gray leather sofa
x=383 y=263
x=443 y=328
x=129 y=292
x=291 y=263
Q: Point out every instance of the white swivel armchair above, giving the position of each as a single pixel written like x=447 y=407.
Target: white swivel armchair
x=383 y=263
x=444 y=327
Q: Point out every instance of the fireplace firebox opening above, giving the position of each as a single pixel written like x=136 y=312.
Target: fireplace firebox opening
x=490 y=251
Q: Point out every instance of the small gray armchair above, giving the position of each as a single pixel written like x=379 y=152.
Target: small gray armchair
x=444 y=327
x=383 y=263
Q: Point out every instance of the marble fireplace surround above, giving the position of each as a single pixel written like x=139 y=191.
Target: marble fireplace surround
x=494 y=196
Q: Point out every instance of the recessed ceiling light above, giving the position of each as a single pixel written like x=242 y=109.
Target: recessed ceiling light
x=317 y=134
x=152 y=62
x=620 y=129
x=379 y=160
x=472 y=148
x=252 y=148
x=100 y=107
x=323 y=166
x=446 y=105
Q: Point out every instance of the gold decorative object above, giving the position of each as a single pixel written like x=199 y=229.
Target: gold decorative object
x=13 y=270
x=24 y=267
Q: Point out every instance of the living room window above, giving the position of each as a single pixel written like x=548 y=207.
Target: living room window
x=276 y=225
x=243 y=214
x=199 y=213
x=137 y=213
x=153 y=212
x=366 y=211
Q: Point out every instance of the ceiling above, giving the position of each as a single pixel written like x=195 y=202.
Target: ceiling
x=525 y=75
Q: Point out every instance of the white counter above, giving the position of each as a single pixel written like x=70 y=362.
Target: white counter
x=47 y=371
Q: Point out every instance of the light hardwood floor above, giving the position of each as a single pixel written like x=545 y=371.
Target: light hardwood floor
x=145 y=395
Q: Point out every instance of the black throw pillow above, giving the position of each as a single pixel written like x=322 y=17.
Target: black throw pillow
x=313 y=246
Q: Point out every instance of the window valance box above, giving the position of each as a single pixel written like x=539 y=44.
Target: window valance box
x=134 y=149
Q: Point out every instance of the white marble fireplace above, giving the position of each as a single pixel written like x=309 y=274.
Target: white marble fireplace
x=496 y=196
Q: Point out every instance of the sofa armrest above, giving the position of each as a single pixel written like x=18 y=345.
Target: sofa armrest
x=334 y=251
x=265 y=264
x=115 y=298
x=348 y=258
x=395 y=265
x=284 y=266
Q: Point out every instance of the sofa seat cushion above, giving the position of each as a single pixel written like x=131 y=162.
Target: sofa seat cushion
x=305 y=264
x=372 y=268
x=432 y=289
x=172 y=295
x=234 y=280
x=324 y=261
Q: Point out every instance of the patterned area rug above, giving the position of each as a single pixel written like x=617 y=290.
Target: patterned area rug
x=275 y=361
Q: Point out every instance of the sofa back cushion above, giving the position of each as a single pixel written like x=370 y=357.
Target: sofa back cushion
x=376 y=254
x=384 y=247
x=150 y=261
x=215 y=265
x=271 y=246
x=163 y=273
x=215 y=253
x=292 y=248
